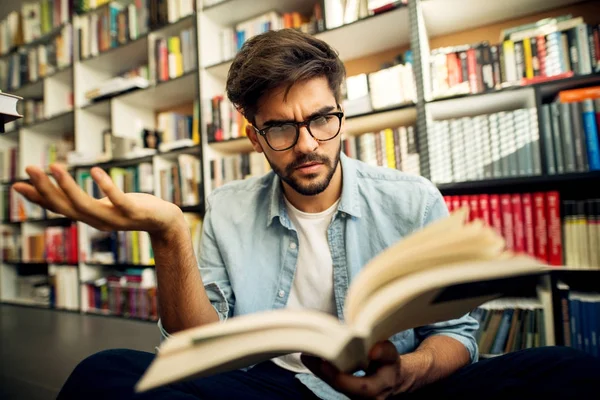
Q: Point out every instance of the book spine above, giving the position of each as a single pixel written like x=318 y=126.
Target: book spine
x=484 y=209
x=591 y=134
x=540 y=227
x=554 y=228
x=507 y=221
x=518 y=229
x=496 y=213
x=528 y=225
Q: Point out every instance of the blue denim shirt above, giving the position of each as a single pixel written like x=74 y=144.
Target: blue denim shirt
x=249 y=245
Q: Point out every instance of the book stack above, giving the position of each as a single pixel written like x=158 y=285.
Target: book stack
x=548 y=49
x=223 y=121
x=570 y=126
x=530 y=223
x=497 y=145
x=393 y=148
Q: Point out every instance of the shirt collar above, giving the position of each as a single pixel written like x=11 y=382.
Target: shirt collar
x=349 y=203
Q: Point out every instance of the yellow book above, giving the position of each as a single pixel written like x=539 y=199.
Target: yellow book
x=389 y=148
x=528 y=58
x=135 y=247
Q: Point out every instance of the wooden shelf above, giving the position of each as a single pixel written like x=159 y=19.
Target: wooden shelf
x=173 y=92
x=118 y=265
x=443 y=17
x=354 y=40
x=237 y=145
x=57 y=124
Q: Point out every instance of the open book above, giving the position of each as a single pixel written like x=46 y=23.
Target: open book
x=439 y=273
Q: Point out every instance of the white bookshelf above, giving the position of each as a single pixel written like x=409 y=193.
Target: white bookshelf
x=125 y=115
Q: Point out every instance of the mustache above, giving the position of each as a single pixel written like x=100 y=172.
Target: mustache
x=306 y=158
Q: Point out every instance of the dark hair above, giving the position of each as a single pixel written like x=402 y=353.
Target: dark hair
x=277 y=58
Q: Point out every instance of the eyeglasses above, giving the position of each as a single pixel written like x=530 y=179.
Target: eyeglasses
x=285 y=136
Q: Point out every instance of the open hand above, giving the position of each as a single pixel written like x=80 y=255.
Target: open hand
x=381 y=381
x=117 y=212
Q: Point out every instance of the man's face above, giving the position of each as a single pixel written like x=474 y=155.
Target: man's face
x=309 y=165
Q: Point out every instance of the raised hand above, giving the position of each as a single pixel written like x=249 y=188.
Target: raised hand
x=118 y=211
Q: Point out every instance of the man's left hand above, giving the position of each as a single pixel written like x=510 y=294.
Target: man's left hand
x=382 y=378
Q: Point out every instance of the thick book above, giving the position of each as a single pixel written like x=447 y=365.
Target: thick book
x=8 y=109
x=438 y=273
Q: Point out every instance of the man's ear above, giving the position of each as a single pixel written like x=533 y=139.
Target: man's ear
x=253 y=136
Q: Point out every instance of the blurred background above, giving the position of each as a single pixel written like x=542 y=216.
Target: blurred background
x=496 y=102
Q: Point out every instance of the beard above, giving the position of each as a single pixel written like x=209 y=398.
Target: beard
x=310 y=185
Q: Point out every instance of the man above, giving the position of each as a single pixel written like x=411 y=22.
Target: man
x=295 y=238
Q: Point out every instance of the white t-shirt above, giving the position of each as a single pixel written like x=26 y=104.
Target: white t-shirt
x=313 y=282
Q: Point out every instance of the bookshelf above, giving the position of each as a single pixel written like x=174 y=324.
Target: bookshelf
x=403 y=41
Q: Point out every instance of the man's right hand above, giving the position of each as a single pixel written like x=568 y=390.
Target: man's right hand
x=117 y=212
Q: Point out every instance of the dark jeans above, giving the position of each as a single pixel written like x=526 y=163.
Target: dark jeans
x=544 y=373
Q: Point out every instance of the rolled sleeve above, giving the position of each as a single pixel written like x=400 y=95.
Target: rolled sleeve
x=462 y=329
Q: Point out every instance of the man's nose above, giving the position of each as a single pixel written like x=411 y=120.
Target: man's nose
x=306 y=143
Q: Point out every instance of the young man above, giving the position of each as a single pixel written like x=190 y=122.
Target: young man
x=295 y=238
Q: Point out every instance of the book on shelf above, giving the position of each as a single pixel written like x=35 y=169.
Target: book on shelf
x=552 y=48
x=439 y=273
x=580 y=318
x=508 y=325
x=8 y=109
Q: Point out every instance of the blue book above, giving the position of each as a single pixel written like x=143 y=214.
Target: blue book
x=574 y=313
x=590 y=128
x=502 y=334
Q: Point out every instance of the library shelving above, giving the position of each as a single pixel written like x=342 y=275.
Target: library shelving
x=462 y=103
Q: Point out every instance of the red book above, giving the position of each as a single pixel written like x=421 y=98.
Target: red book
x=484 y=209
x=507 y=221
x=554 y=228
x=464 y=202
x=448 y=201
x=528 y=224
x=455 y=202
x=540 y=223
x=474 y=212
x=496 y=213
x=518 y=229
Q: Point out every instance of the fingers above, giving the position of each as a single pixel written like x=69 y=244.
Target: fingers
x=380 y=384
x=384 y=352
x=115 y=195
x=31 y=194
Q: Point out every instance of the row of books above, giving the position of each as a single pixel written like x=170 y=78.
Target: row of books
x=564 y=45
x=14 y=207
x=580 y=313
x=222 y=120
x=181 y=181
x=388 y=87
x=52 y=245
x=35 y=20
x=497 y=145
x=176 y=126
x=570 y=129
x=530 y=223
x=29 y=64
x=32 y=110
x=129 y=294
x=9 y=160
x=227 y=168
x=581 y=231
x=393 y=148
x=175 y=55
x=508 y=325
x=64 y=283
x=117 y=24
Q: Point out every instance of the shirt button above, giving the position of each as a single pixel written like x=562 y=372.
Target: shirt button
x=281 y=293
x=343 y=215
x=292 y=246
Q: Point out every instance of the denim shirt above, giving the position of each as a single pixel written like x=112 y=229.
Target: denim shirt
x=249 y=246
